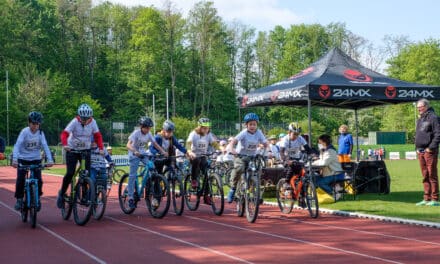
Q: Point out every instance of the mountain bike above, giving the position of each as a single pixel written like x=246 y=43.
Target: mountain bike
x=81 y=198
x=209 y=186
x=300 y=189
x=175 y=178
x=150 y=185
x=31 y=201
x=247 y=195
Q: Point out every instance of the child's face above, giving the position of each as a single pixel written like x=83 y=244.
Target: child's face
x=168 y=134
x=145 y=130
x=204 y=130
x=34 y=126
x=252 y=126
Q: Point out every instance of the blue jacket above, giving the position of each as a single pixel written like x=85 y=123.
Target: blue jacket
x=159 y=140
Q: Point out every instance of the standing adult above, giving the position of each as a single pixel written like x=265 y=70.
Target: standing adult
x=345 y=144
x=427 y=140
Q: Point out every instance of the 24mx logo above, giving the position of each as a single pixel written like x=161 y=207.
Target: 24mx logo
x=351 y=92
x=416 y=94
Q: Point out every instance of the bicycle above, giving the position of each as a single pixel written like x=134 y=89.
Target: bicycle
x=81 y=198
x=113 y=176
x=31 y=201
x=247 y=194
x=175 y=176
x=211 y=188
x=101 y=194
x=301 y=189
x=150 y=183
x=223 y=169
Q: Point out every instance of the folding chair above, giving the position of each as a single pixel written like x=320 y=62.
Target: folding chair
x=348 y=183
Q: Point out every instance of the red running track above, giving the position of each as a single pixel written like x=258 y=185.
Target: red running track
x=202 y=237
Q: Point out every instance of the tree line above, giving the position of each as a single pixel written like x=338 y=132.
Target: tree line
x=61 y=53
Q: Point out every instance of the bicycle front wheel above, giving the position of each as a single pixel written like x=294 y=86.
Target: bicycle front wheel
x=100 y=203
x=157 y=195
x=216 y=194
x=123 y=195
x=192 y=198
x=252 y=195
x=33 y=208
x=66 y=210
x=177 y=190
x=83 y=201
x=311 y=199
x=240 y=199
x=285 y=203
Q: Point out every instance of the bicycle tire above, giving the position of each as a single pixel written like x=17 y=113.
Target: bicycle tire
x=66 y=209
x=311 y=199
x=117 y=175
x=284 y=203
x=240 y=200
x=123 y=195
x=252 y=196
x=157 y=188
x=216 y=193
x=33 y=208
x=177 y=190
x=100 y=203
x=24 y=209
x=84 y=197
x=192 y=198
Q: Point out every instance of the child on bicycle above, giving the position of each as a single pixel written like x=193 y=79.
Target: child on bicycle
x=168 y=142
x=26 y=151
x=137 y=146
x=291 y=151
x=247 y=143
x=76 y=136
x=199 y=141
x=98 y=166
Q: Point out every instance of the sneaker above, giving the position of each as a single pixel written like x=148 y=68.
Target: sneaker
x=155 y=203
x=423 y=202
x=194 y=184
x=18 y=204
x=231 y=195
x=131 y=204
x=433 y=203
x=60 y=200
x=207 y=199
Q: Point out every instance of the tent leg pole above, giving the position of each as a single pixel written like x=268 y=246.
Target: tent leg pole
x=309 y=113
x=357 y=134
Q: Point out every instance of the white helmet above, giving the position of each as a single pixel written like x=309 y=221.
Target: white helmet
x=85 y=111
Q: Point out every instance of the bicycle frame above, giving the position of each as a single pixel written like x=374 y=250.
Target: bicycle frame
x=30 y=179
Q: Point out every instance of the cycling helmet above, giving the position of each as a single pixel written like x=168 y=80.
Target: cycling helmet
x=35 y=117
x=168 y=125
x=204 y=122
x=281 y=135
x=294 y=127
x=85 y=111
x=251 y=117
x=145 y=121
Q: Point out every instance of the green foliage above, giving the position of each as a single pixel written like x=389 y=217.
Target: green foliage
x=276 y=131
x=184 y=126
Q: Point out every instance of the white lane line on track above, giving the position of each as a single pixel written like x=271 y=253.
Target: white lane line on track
x=179 y=240
x=293 y=239
x=66 y=241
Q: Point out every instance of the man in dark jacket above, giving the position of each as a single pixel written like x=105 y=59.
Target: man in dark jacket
x=427 y=141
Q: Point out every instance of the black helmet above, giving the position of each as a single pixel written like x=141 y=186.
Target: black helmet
x=168 y=125
x=35 y=117
x=145 y=121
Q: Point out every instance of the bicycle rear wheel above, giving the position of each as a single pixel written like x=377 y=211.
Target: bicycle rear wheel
x=100 y=203
x=240 y=199
x=284 y=203
x=192 y=198
x=216 y=193
x=177 y=190
x=311 y=198
x=157 y=195
x=83 y=201
x=33 y=208
x=66 y=210
x=123 y=195
x=252 y=199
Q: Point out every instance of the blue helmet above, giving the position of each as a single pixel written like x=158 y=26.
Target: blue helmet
x=251 y=117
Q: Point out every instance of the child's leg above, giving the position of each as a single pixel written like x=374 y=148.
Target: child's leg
x=134 y=164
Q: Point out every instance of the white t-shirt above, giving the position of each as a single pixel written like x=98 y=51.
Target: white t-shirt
x=140 y=141
x=80 y=135
x=292 y=148
x=29 y=144
x=199 y=143
x=248 y=143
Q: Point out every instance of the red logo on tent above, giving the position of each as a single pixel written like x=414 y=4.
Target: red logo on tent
x=302 y=73
x=274 y=95
x=356 y=75
x=324 y=91
x=390 y=92
x=244 y=100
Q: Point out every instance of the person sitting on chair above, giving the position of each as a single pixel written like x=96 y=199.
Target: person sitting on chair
x=331 y=171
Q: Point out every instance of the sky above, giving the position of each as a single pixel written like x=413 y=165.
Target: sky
x=373 y=19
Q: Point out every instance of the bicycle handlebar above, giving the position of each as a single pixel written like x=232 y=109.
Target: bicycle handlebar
x=31 y=167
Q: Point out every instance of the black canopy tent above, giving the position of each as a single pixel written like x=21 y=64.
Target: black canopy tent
x=336 y=80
